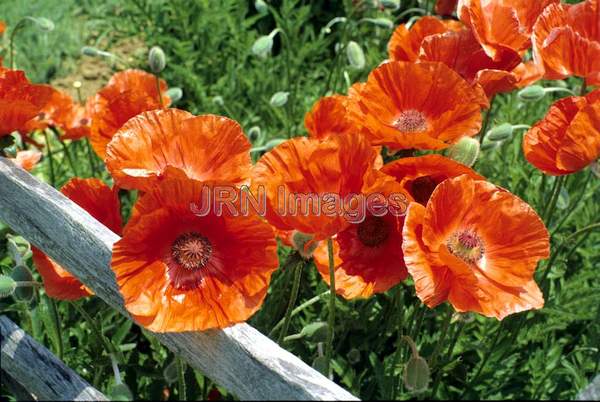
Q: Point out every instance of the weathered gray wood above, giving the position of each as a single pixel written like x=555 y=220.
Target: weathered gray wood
x=38 y=370
x=591 y=392
x=16 y=390
x=238 y=358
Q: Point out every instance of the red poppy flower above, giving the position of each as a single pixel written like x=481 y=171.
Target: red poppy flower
x=203 y=148
x=63 y=113
x=567 y=139
x=368 y=255
x=2 y=28
x=103 y=204
x=423 y=106
x=27 y=159
x=20 y=100
x=127 y=94
x=477 y=246
x=502 y=24
x=566 y=40
x=445 y=7
x=182 y=272
x=329 y=116
x=303 y=176
x=405 y=44
x=419 y=176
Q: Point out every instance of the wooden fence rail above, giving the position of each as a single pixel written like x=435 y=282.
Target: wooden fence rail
x=238 y=358
x=35 y=368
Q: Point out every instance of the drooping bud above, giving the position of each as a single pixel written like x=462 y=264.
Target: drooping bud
x=218 y=100
x=304 y=244
x=380 y=22
x=391 y=4
x=279 y=99
x=261 y=7
x=355 y=54
x=262 y=46
x=89 y=51
x=316 y=331
x=7 y=286
x=156 y=59
x=500 y=133
x=22 y=274
x=416 y=374
x=42 y=23
x=465 y=151
x=532 y=93
x=175 y=94
x=170 y=372
x=254 y=134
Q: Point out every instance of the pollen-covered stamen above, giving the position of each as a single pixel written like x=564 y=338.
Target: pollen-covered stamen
x=467 y=246
x=411 y=121
x=373 y=231
x=191 y=251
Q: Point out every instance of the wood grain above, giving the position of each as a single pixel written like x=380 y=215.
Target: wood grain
x=238 y=358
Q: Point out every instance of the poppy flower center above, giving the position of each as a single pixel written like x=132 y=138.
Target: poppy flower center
x=467 y=246
x=411 y=121
x=373 y=231
x=422 y=188
x=191 y=251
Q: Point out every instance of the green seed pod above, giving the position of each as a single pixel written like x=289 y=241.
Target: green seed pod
x=175 y=94
x=316 y=331
x=416 y=374
x=355 y=54
x=254 y=134
x=304 y=244
x=22 y=274
x=391 y=4
x=279 y=99
x=465 y=151
x=489 y=145
x=354 y=356
x=120 y=392
x=7 y=286
x=500 y=133
x=532 y=93
x=262 y=47
x=156 y=59
x=261 y=7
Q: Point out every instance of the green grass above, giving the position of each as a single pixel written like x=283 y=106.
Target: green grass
x=551 y=353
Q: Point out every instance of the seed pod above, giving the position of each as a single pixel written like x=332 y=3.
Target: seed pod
x=500 y=133
x=22 y=274
x=156 y=59
x=279 y=99
x=532 y=93
x=175 y=94
x=391 y=4
x=262 y=46
x=465 y=151
x=254 y=134
x=304 y=244
x=261 y=7
x=7 y=286
x=356 y=56
x=316 y=331
x=416 y=374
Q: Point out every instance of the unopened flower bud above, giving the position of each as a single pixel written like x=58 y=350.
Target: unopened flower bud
x=416 y=374
x=170 y=372
x=156 y=59
x=175 y=94
x=354 y=356
x=22 y=274
x=465 y=151
x=218 y=100
x=261 y=7
x=316 y=331
x=120 y=392
x=380 y=22
x=90 y=51
x=500 y=133
x=279 y=99
x=263 y=45
x=391 y=4
x=42 y=23
x=304 y=244
x=254 y=134
x=532 y=93
x=355 y=54
x=7 y=286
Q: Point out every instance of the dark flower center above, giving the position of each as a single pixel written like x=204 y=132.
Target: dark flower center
x=422 y=188
x=411 y=121
x=373 y=231
x=191 y=251
x=467 y=246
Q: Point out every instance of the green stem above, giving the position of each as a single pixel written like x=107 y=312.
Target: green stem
x=110 y=348
x=181 y=387
x=50 y=160
x=453 y=342
x=67 y=153
x=331 y=321
x=558 y=184
x=292 y=301
x=486 y=121
x=160 y=98
x=17 y=27
x=444 y=333
x=91 y=159
x=574 y=207
x=297 y=310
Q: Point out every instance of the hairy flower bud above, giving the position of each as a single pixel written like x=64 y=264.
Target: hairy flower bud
x=391 y=4
x=500 y=133
x=355 y=54
x=7 y=286
x=175 y=94
x=532 y=93
x=279 y=99
x=156 y=59
x=261 y=7
x=465 y=151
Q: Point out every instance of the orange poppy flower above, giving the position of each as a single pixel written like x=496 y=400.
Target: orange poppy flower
x=62 y=112
x=503 y=23
x=423 y=106
x=445 y=7
x=566 y=40
x=182 y=272
x=329 y=116
x=27 y=159
x=203 y=148
x=420 y=175
x=477 y=246
x=2 y=28
x=405 y=44
x=20 y=101
x=567 y=139
x=368 y=255
x=528 y=73
x=102 y=203
x=302 y=177
x=127 y=94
